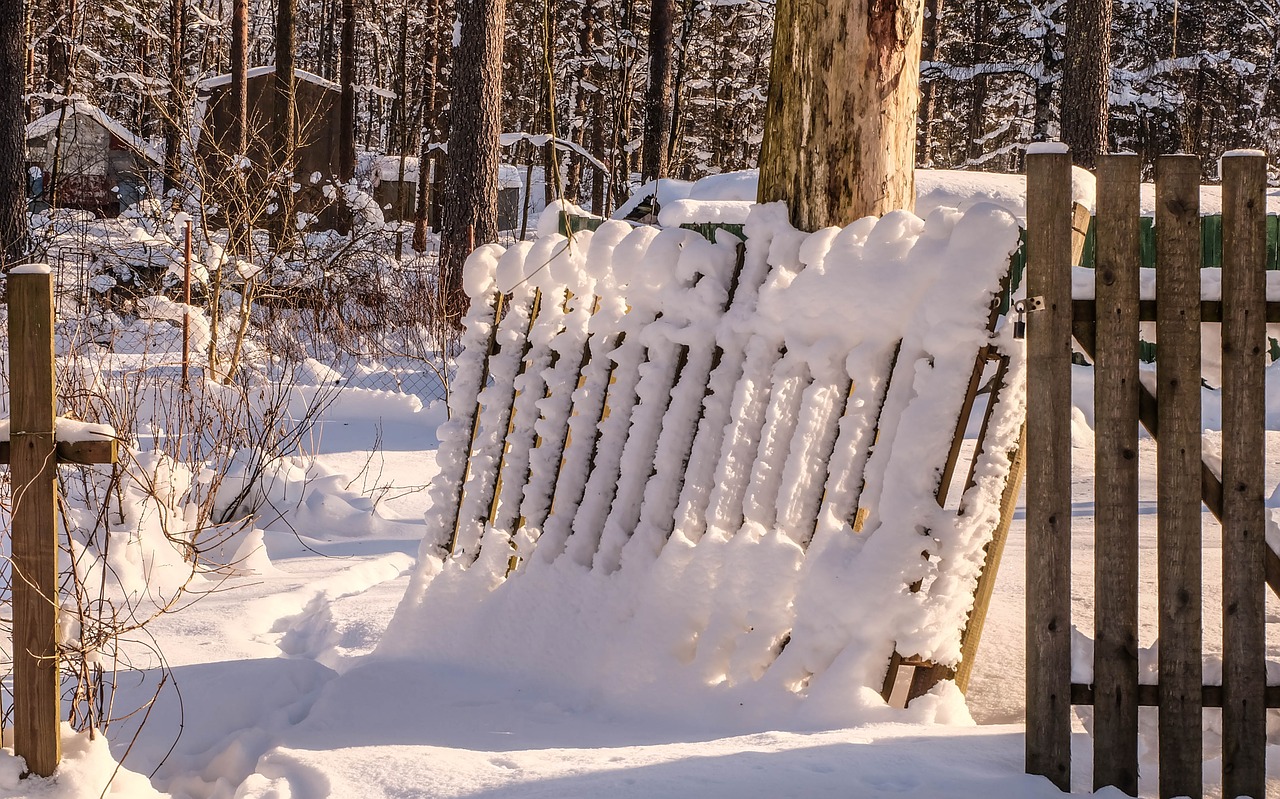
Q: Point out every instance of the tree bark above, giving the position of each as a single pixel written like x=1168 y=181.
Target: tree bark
x=13 y=195
x=423 y=216
x=840 y=126
x=238 y=141
x=929 y=92
x=286 y=119
x=174 y=115
x=470 y=215
x=1049 y=63
x=1086 y=74
x=347 y=106
x=658 y=106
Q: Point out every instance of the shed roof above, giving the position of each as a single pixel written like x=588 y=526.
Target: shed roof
x=49 y=123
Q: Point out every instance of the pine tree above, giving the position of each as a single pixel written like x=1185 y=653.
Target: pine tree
x=470 y=216
x=1086 y=79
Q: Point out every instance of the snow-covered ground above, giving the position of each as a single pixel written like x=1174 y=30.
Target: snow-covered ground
x=273 y=693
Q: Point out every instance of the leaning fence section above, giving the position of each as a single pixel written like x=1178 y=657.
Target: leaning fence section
x=631 y=396
x=1102 y=316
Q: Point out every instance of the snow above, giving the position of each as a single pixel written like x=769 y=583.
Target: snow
x=1047 y=148
x=327 y=661
x=728 y=197
x=31 y=269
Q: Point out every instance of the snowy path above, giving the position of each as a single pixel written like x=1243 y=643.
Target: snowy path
x=276 y=703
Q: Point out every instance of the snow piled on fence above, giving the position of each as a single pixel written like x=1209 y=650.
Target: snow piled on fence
x=609 y=609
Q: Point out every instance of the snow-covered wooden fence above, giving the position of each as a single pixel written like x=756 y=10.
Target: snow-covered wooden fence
x=1103 y=316
x=730 y=467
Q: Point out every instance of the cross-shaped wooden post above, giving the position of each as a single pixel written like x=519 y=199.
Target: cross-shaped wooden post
x=33 y=453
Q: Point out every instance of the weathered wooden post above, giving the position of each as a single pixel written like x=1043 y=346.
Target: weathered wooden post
x=34 y=453
x=34 y=469
x=1049 y=478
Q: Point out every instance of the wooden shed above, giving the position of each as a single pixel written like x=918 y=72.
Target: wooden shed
x=79 y=157
x=319 y=131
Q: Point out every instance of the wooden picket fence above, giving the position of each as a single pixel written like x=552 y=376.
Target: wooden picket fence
x=659 y=423
x=1106 y=328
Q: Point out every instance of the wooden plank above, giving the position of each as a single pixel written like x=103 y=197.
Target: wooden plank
x=1049 y=222
x=1244 y=340
x=34 y=471
x=84 y=453
x=1178 y=464
x=1149 y=696
x=1115 y=657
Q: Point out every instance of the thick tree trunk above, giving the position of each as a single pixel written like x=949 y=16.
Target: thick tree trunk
x=1086 y=77
x=840 y=127
x=347 y=106
x=470 y=216
x=658 y=106
x=13 y=185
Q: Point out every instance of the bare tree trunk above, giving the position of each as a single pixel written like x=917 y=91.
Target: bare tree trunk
x=839 y=137
x=981 y=49
x=586 y=30
x=431 y=126
x=929 y=92
x=286 y=120
x=174 y=114
x=347 y=106
x=471 y=185
x=1045 y=83
x=658 y=102
x=1086 y=77
x=13 y=195
x=550 y=162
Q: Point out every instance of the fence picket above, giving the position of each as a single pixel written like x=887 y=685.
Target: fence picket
x=1244 y=337
x=1178 y=251
x=1115 y=669
x=1049 y=478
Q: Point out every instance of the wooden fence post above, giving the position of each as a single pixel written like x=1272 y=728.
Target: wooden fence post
x=1049 y=220
x=1181 y=666
x=37 y=737
x=1115 y=670
x=1244 y=336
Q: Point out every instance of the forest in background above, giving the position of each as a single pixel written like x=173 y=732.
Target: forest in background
x=1188 y=75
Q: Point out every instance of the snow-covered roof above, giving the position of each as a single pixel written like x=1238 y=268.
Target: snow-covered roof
x=49 y=123
x=298 y=74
